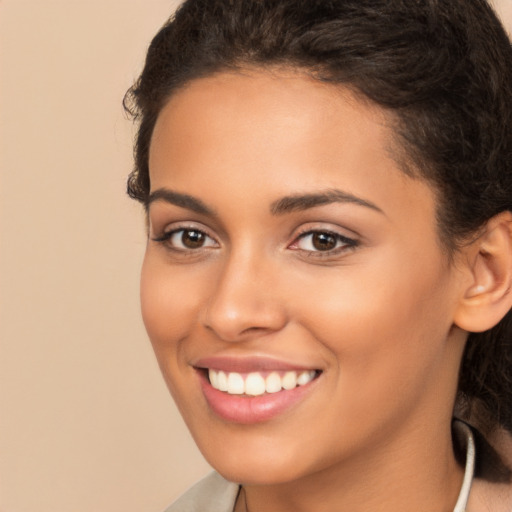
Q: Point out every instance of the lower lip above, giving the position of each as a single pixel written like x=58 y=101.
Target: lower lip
x=252 y=409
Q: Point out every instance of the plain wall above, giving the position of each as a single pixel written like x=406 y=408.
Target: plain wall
x=86 y=423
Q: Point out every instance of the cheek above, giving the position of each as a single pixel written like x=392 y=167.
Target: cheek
x=169 y=302
x=389 y=323
x=156 y=296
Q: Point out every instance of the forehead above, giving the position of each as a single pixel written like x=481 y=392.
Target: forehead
x=258 y=115
x=259 y=91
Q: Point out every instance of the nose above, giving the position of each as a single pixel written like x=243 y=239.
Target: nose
x=244 y=303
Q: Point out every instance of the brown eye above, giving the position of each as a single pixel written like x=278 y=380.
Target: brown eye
x=186 y=239
x=327 y=242
x=192 y=239
x=323 y=241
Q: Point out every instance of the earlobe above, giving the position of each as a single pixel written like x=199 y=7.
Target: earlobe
x=488 y=297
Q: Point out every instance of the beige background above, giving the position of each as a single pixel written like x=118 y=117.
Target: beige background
x=86 y=424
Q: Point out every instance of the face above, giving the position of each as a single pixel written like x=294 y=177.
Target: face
x=294 y=288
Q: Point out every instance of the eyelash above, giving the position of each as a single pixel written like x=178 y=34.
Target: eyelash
x=345 y=242
x=165 y=239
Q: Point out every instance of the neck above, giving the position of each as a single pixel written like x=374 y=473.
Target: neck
x=420 y=474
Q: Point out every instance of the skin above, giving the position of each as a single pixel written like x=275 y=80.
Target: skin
x=376 y=318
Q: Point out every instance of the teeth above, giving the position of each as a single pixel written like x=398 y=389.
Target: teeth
x=305 y=377
x=289 y=381
x=255 y=384
x=222 y=381
x=273 y=383
x=235 y=384
x=214 y=379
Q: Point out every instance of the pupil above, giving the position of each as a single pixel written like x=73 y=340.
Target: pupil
x=192 y=239
x=324 y=241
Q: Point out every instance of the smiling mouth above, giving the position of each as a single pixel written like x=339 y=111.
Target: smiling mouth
x=259 y=383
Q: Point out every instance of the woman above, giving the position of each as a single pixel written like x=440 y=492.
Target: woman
x=329 y=262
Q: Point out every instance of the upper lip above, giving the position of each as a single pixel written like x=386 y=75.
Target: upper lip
x=248 y=364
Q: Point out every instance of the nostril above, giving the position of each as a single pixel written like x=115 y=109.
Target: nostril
x=248 y=322
x=255 y=330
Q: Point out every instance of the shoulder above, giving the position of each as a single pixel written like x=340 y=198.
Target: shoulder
x=211 y=494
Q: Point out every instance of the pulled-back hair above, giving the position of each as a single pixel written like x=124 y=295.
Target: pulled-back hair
x=441 y=68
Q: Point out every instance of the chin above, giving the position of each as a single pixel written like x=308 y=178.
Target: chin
x=254 y=459
x=268 y=472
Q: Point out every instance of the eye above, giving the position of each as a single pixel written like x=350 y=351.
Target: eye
x=322 y=241
x=186 y=239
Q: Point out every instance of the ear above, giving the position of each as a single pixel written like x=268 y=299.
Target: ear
x=488 y=297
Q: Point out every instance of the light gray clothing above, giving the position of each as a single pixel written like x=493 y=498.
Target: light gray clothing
x=212 y=494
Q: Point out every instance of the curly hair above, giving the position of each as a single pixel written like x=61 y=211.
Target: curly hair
x=442 y=68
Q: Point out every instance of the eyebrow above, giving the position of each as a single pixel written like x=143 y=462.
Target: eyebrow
x=302 y=202
x=178 y=199
x=293 y=203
